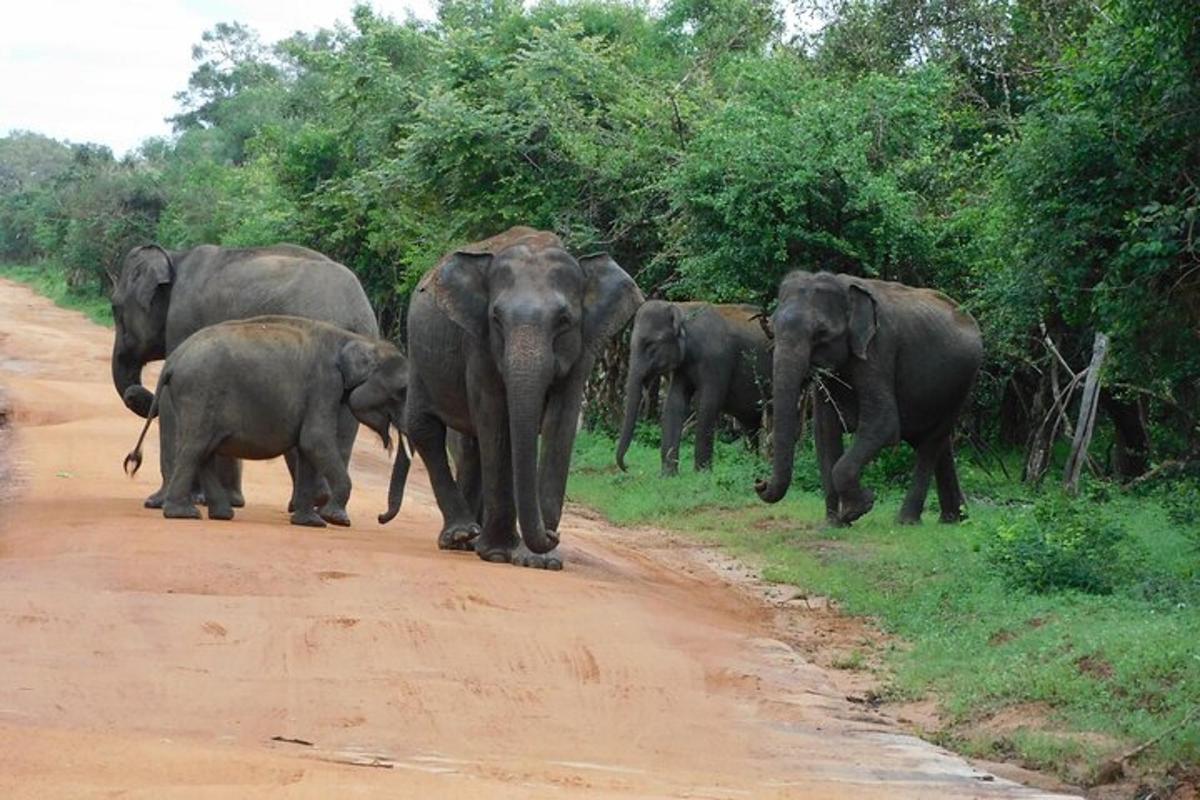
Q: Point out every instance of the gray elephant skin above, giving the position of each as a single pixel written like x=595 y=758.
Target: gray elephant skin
x=717 y=355
x=161 y=297
x=899 y=363
x=502 y=335
x=259 y=387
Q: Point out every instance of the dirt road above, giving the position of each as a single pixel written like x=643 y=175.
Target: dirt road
x=164 y=658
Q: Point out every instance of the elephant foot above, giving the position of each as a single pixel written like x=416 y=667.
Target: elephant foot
x=460 y=536
x=952 y=517
x=521 y=556
x=308 y=518
x=180 y=510
x=220 y=512
x=908 y=518
x=155 y=500
x=850 y=510
x=237 y=499
x=335 y=516
x=834 y=521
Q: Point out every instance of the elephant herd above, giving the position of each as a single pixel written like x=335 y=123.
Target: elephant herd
x=276 y=351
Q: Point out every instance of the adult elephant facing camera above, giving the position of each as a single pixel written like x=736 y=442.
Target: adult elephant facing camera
x=162 y=297
x=502 y=335
x=902 y=362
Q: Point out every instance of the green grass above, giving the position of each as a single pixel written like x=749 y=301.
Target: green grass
x=50 y=280
x=1100 y=672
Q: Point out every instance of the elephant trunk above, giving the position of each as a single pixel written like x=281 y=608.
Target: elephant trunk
x=790 y=375
x=397 y=482
x=127 y=378
x=634 y=386
x=529 y=371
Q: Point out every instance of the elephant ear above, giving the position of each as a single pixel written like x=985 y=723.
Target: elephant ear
x=610 y=298
x=863 y=322
x=680 y=330
x=460 y=290
x=148 y=268
x=356 y=359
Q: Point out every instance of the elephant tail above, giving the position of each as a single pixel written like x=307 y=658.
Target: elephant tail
x=133 y=461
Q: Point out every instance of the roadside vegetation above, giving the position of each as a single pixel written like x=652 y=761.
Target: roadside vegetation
x=50 y=280
x=1060 y=633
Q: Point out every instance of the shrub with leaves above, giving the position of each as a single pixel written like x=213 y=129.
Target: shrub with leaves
x=1061 y=544
x=1182 y=504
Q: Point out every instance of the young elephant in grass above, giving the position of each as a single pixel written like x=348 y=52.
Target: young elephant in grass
x=256 y=388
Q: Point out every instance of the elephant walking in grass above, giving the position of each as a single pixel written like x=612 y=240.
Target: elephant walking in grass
x=718 y=355
x=898 y=363
x=161 y=297
x=502 y=335
x=260 y=387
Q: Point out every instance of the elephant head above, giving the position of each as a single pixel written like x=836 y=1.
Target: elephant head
x=656 y=348
x=375 y=378
x=821 y=321
x=543 y=316
x=140 y=298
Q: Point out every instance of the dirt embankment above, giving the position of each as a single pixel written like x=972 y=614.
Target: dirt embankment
x=255 y=659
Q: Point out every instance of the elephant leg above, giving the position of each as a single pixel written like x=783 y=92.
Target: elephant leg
x=950 y=496
x=216 y=492
x=827 y=438
x=708 y=412
x=166 y=448
x=179 y=502
x=306 y=480
x=878 y=426
x=229 y=472
x=928 y=454
x=499 y=538
x=559 y=426
x=675 y=411
x=321 y=452
x=428 y=436
x=467 y=472
x=303 y=506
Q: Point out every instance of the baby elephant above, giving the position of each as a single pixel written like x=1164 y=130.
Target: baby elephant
x=255 y=388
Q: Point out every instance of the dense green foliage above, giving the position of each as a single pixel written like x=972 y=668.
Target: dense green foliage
x=1084 y=676
x=1062 y=544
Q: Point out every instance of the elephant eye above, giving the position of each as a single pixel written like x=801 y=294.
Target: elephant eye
x=564 y=319
x=496 y=318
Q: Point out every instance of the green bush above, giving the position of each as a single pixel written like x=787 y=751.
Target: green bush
x=1181 y=501
x=1063 y=544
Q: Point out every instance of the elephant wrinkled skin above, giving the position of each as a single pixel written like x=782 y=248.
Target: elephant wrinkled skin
x=161 y=297
x=717 y=354
x=502 y=335
x=899 y=364
x=259 y=387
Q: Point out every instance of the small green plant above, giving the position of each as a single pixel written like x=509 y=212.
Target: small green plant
x=1062 y=543
x=1181 y=501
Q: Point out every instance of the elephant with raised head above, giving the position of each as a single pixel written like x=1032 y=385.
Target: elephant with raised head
x=717 y=354
x=898 y=363
x=258 y=387
x=161 y=297
x=502 y=335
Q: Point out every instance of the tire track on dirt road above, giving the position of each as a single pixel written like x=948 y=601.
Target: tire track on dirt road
x=163 y=658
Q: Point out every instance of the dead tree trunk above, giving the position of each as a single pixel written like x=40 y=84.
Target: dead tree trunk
x=1087 y=416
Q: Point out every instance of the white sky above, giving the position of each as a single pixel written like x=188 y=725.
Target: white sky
x=105 y=71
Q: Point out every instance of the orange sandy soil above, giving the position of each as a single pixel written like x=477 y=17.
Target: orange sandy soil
x=143 y=657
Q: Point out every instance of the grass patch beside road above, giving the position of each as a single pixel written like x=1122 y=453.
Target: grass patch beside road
x=50 y=280
x=1058 y=680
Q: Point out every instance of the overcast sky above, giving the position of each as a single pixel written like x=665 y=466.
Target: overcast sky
x=105 y=71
